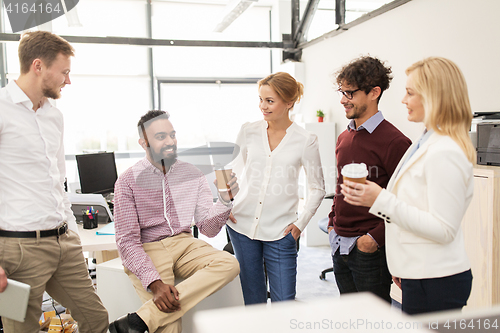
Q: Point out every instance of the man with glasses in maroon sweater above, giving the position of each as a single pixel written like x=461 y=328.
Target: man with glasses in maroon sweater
x=357 y=237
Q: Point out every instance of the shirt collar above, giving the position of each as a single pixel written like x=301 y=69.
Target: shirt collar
x=19 y=96
x=370 y=125
x=149 y=166
x=425 y=136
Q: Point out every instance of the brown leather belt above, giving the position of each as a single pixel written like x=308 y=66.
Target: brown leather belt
x=32 y=234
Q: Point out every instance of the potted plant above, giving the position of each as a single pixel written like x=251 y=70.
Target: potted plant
x=320 y=115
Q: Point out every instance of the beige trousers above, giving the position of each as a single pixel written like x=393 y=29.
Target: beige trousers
x=54 y=264
x=203 y=268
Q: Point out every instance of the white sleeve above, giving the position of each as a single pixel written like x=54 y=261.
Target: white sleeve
x=448 y=175
x=315 y=182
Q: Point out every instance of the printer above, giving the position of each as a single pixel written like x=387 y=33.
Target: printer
x=488 y=139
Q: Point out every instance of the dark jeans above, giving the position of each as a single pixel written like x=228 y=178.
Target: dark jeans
x=438 y=294
x=360 y=271
x=280 y=257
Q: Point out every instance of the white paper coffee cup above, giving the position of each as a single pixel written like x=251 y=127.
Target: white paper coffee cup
x=355 y=172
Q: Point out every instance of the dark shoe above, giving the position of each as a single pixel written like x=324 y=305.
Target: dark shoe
x=121 y=325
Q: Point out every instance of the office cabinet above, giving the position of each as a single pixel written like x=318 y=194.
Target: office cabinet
x=481 y=227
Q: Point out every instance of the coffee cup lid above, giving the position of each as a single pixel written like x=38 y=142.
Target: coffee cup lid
x=354 y=170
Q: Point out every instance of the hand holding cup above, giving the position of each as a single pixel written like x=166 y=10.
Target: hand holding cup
x=227 y=184
x=355 y=172
x=356 y=189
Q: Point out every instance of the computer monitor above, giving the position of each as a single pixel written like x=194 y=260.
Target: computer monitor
x=97 y=172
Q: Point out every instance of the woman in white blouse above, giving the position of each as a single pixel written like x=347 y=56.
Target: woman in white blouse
x=266 y=227
x=429 y=192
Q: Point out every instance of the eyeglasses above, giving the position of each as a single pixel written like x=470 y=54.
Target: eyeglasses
x=348 y=93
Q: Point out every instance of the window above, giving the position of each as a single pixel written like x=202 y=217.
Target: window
x=174 y=20
x=204 y=113
x=109 y=92
x=211 y=62
x=111 y=84
x=324 y=18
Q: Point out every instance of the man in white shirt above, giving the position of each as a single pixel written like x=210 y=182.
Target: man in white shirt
x=40 y=245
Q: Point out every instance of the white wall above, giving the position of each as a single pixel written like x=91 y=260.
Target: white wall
x=467 y=32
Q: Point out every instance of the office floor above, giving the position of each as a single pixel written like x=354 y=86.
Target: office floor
x=311 y=261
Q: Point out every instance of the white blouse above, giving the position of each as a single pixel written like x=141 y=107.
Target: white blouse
x=268 y=199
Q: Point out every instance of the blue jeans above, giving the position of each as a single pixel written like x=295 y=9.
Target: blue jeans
x=360 y=271
x=437 y=294
x=280 y=258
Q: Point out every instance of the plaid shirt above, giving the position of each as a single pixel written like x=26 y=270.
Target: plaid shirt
x=150 y=206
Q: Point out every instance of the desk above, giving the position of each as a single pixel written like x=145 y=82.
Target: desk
x=103 y=246
x=92 y=242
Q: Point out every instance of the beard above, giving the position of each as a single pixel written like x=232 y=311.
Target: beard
x=357 y=112
x=158 y=156
x=48 y=92
x=51 y=93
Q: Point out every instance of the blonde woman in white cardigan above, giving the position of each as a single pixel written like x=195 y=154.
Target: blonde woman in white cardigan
x=429 y=192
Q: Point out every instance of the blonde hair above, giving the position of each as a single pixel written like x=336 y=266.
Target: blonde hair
x=287 y=88
x=445 y=98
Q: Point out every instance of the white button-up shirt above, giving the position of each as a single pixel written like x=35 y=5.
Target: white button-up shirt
x=32 y=166
x=269 y=192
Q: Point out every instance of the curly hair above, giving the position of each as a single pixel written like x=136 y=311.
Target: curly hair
x=365 y=73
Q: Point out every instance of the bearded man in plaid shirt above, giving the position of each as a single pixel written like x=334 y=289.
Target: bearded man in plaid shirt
x=155 y=202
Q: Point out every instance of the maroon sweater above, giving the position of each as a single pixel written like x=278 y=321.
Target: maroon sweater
x=381 y=151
